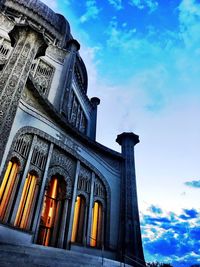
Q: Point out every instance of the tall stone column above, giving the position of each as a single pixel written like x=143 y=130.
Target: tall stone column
x=28 y=44
x=69 y=234
x=69 y=65
x=95 y=102
x=90 y=209
x=130 y=224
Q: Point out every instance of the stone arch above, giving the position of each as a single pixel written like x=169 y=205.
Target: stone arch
x=53 y=170
x=85 y=195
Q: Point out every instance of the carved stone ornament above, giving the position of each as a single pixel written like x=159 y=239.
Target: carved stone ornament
x=14 y=75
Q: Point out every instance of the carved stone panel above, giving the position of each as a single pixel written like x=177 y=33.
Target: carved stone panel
x=42 y=73
x=84 y=180
x=99 y=189
x=61 y=159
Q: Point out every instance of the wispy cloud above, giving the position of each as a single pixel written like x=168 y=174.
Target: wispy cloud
x=92 y=11
x=194 y=184
x=152 y=5
x=117 y=4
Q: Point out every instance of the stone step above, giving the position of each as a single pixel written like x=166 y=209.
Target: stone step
x=40 y=256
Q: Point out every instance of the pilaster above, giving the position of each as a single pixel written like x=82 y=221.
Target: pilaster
x=90 y=209
x=28 y=44
x=70 y=61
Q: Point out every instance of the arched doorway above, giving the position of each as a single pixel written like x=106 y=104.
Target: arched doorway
x=79 y=220
x=8 y=188
x=51 y=212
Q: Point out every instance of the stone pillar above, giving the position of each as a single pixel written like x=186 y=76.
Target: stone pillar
x=69 y=234
x=63 y=224
x=95 y=102
x=69 y=64
x=90 y=209
x=28 y=44
x=130 y=224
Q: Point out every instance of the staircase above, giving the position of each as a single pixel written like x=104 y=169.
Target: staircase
x=40 y=256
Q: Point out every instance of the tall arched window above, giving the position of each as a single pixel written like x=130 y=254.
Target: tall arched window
x=27 y=203
x=78 y=222
x=8 y=188
x=97 y=225
x=52 y=212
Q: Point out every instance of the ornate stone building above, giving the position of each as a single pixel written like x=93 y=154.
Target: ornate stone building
x=59 y=187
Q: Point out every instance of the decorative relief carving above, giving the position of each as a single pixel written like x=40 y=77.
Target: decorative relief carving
x=84 y=180
x=61 y=159
x=14 y=76
x=78 y=78
x=5 y=49
x=76 y=114
x=40 y=153
x=42 y=74
x=99 y=189
x=22 y=144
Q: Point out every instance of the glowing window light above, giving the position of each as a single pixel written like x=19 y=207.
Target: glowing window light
x=76 y=217
x=96 y=230
x=48 y=213
x=7 y=187
x=26 y=202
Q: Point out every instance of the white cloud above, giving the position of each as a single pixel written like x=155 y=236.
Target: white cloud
x=92 y=11
x=152 y=5
x=117 y=4
x=189 y=18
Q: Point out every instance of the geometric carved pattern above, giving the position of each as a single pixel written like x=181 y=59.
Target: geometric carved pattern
x=61 y=159
x=84 y=180
x=99 y=189
x=39 y=155
x=14 y=76
x=42 y=75
x=5 y=48
x=76 y=115
x=23 y=144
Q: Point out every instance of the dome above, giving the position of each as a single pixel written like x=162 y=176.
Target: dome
x=36 y=7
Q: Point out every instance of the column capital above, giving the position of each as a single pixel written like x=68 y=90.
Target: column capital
x=95 y=101
x=73 y=45
x=127 y=136
x=16 y=33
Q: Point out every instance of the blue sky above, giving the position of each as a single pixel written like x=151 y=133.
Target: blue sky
x=143 y=61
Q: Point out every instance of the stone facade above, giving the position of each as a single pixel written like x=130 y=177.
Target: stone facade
x=59 y=187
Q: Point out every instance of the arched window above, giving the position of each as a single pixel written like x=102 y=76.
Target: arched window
x=8 y=189
x=52 y=212
x=97 y=225
x=27 y=203
x=78 y=222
